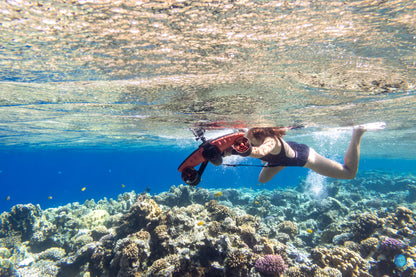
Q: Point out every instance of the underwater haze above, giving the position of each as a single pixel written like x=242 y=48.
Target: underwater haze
x=98 y=99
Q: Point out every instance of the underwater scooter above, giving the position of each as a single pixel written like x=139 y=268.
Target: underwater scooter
x=211 y=151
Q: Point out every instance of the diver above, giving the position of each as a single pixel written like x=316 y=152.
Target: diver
x=267 y=144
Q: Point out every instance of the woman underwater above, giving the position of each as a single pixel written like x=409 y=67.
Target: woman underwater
x=269 y=146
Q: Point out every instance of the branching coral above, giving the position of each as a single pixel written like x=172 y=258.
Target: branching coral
x=236 y=263
x=270 y=265
x=391 y=246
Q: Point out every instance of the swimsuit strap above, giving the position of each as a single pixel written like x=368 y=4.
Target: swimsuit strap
x=282 y=150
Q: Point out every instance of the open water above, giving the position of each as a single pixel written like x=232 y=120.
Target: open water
x=101 y=94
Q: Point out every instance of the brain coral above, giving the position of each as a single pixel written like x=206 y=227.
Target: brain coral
x=270 y=265
x=161 y=268
x=289 y=228
x=218 y=212
x=328 y=272
x=21 y=218
x=403 y=215
x=348 y=262
x=95 y=218
x=368 y=246
x=53 y=253
x=145 y=211
x=365 y=225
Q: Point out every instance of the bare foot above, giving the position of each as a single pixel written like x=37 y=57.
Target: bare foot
x=374 y=126
x=358 y=131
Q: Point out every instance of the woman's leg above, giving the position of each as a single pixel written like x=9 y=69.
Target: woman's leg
x=267 y=173
x=333 y=169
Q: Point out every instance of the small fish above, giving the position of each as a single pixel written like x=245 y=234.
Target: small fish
x=256 y=202
x=218 y=194
x=309 y=231
x=400 y=260
x=200 y=223
x=269 y=218
x=7 y=198
x=147 y=190
x=123 y=186
x=50 y=197
x=83 y=189
x=258 y=184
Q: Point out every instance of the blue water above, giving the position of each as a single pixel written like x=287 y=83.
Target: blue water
x=32 y=176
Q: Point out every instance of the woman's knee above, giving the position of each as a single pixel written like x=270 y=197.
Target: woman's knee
x=349 y=174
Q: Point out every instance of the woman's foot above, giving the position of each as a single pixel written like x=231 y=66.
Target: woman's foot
x=357 y=132
x=374 y=126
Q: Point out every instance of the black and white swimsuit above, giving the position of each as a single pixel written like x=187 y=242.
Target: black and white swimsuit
x=300 y=159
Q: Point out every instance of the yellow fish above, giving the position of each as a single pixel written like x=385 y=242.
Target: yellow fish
x=310 y=231
x=7 y=198
x=218 y=194
x=123 y=186
x=200 y=223
x=256 y=202
x=84 y=188
x=50 y=197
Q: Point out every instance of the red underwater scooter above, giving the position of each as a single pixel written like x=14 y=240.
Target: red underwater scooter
x=211 y=151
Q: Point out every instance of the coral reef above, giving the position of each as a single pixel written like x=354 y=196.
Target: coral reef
x=348 y=262
x=391 y=246
x=270 y=265
x=357 y=229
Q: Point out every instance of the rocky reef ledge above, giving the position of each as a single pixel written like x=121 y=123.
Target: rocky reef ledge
x=362 y=227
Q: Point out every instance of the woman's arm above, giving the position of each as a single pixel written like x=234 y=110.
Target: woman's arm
x=264 y=149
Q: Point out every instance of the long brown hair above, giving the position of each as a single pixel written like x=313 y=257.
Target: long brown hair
x=260 y=133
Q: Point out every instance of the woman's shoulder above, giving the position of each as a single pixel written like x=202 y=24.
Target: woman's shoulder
x=275 y=144
x=271 y=139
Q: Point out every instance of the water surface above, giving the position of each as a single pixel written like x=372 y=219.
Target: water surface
x=134 y=76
